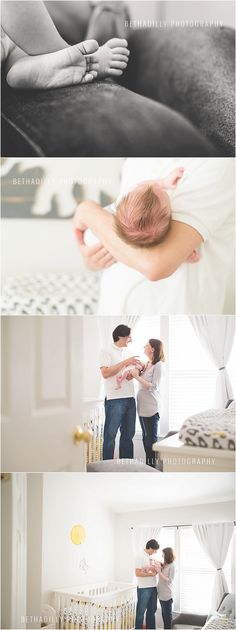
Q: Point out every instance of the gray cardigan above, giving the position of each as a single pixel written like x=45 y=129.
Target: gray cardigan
x=148 y=400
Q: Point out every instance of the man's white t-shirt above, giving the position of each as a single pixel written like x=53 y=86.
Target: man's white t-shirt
x=111 y=356
x=203 y=199
x=142 y=560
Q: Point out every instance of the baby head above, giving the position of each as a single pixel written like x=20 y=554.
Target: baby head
x=143 y=215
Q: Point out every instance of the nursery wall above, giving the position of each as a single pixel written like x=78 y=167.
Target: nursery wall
x=92 y=347
x=67 y=502
x=209 y=513
x=206 y=10
x=47 y=244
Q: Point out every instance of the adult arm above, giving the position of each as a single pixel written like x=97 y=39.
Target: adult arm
x=170 y=577
x=155 y=263
x=141 y=573
x=156 y=377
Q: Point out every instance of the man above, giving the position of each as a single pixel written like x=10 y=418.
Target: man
x=120 y=407
x=147 y=586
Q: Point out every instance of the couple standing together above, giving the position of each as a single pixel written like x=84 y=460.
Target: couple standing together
x=154 y=578
x=119 y=373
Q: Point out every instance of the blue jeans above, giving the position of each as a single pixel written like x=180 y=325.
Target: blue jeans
x=166 y=610
x=120 y=413
x=147 y=602
x=149 y=428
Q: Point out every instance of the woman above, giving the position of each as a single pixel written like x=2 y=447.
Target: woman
x=148 y=398
x=165 y=586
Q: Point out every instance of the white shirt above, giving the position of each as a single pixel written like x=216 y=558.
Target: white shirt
x=142 y=560
x=111 y=356
x=203 y=199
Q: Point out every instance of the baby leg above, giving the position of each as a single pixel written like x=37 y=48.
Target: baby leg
x=29 y=26
x=71 y=18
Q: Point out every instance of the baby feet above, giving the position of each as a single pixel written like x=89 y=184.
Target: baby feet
x=112 y=58
x=69 y=66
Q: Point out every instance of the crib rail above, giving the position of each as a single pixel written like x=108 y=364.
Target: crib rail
x=95 y=422
x=96 y=607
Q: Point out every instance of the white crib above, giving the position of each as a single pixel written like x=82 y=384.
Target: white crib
x=95 y=418
x=107 y=606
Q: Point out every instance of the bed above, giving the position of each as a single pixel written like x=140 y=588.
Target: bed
x=107 y=606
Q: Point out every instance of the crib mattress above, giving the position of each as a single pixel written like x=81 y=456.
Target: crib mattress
x=212 y=428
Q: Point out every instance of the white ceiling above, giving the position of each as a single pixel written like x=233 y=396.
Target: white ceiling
x=137 y=491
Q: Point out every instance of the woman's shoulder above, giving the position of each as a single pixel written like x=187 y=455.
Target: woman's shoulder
x=159 y=366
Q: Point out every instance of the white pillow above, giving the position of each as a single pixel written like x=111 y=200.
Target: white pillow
x=231 y=406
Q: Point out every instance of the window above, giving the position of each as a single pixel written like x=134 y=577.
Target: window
x=194 y=570
x=192 y=373
x=166 y=538
x=196 y=574
x=146 y=328
x=231 y=367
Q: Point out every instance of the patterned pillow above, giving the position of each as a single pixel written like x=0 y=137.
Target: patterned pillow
x=219 y=622
x=51 y=294
x=213 y=428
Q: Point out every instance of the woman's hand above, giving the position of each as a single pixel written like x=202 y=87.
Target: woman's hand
x=134 y=372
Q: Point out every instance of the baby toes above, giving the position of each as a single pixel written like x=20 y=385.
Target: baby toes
x=121 y=51
x=119 y=57
x=115 y=72
x=118 y=64
x=89 y=77
x=116 y=42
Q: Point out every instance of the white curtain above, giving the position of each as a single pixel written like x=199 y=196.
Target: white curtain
x=216 y=334
x=141 y=535
x=215 y=540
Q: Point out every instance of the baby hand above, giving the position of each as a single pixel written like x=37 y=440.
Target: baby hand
x=173 y=178
x=135 y=372
x=129 y=376
x=193 y=257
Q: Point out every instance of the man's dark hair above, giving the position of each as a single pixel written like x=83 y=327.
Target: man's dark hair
x=152 y=544
x=121 y=331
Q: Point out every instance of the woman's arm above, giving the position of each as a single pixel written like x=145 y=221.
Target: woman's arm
x=141 y=380
x=155 y=263
x=171 y=575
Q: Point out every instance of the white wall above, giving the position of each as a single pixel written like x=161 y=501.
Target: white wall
x=6 y=552
x=217 y=10
x=67 y=502
x=34 y=245
x=92 y=347
x=124 y=561
x=34 y=548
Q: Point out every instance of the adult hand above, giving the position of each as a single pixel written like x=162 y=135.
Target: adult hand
x=131 y=361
